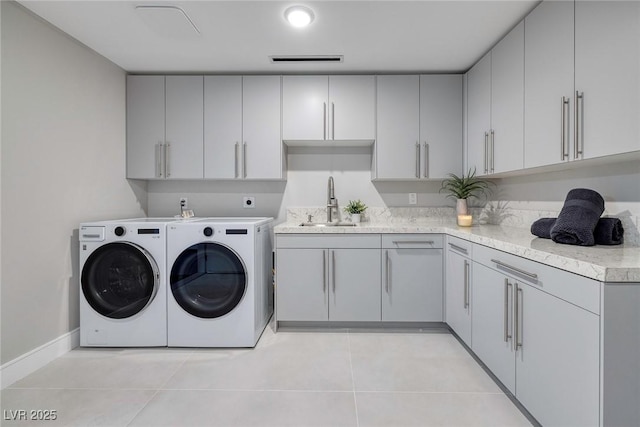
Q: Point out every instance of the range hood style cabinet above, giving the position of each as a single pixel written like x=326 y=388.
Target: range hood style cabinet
x=562 y=86
x=229 y=127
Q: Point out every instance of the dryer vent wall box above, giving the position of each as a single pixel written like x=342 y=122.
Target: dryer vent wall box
x=249 y=202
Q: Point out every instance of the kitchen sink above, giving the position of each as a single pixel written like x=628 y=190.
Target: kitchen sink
x=327 y=224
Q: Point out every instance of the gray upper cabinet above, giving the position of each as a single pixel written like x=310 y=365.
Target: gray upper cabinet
x=398 y=121
x=607 y=77
x=327 y=108
x=507 y=102
x=479 y=116
x=440 y=125
x=164 y=127
x=549 y=93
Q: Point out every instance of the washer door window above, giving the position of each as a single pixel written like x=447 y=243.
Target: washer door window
x=208 y=280
x=119 y=280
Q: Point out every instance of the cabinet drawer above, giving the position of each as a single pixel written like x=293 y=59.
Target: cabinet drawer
x=412 y=241
x=460 y=246
x=341 y=241
x=570 y=287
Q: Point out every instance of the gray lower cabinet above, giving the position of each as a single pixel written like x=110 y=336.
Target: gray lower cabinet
x=537 y=329
x=412 y=278
x=458 y=287
x=328 y=278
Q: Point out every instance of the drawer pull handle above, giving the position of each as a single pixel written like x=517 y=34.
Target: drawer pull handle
x=414 y=242
x=458 y=248
x=466 y=284
x=517 y=270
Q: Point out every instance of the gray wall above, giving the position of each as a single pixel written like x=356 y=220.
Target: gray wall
x=63 y=162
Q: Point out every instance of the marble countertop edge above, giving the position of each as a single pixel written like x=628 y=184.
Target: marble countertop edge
x=611 y=264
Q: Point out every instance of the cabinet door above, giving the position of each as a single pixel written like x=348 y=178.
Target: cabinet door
x=184 y=126
x=262 y=141
x=398 y=122
x=492 y=325
x=222 y=126
x=548 y=78
x=355 y=285
x=352 y=101
x=304 y=107
x=557 y=367
x=145 y=126
x=607 y=61
x=507 y=102
x=302 y=284
x=440 y=125
x=412 y=285
x=479 y=115
x=458 y=289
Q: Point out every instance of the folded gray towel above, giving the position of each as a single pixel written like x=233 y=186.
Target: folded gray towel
x=578 y=218
x=608 y=231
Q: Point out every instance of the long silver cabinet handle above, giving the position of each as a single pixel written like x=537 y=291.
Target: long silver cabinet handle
x=486 y=152
x=564 y=149
x=517 y=313
x=324 y=120
x=417 y=159
x=388 y=278
x=466 y=284
x=579 y=137
x=159 y=160
x=244 y=159
x=458 y=248
x=333 y=121
x=324 y=271
x=517 y=270
x=235 y=162
x=492 y=157
x=167 y=160
x=415 y=242
x=333 y=271
x=507 y=285
x=426 y=160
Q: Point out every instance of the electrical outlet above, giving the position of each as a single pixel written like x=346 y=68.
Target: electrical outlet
x=183 y=203
x=413 y=198
x=249 y=202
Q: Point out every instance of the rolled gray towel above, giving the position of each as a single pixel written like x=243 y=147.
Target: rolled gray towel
x=578 y=218
x=608 y=231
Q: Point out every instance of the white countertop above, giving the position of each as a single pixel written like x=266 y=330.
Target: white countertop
x=603 y=263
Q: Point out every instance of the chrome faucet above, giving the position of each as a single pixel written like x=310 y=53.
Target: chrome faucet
x=332 y=202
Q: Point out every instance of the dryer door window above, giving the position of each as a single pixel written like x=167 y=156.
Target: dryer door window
x=119 y=280
x=208 y=280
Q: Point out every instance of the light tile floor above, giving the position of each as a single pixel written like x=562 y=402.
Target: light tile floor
x=337 y=378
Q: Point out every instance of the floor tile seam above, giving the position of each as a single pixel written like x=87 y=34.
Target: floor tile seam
x=139 y=411
x=429 y=392
x=86 y=388
x=353 y=379
x=262 y=390
x=175 y=371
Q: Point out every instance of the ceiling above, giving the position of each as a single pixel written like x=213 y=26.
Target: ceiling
x=239 y=36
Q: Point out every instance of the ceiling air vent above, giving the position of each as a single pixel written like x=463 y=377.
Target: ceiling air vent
x=279 y=59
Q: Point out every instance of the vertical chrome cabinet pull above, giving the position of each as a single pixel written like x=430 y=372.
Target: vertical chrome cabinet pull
x=466 y=284
x=324 y=271
x=333 y=121
x=579 y=137
x=235 y=162
x=563 y=126
x=158 y=149
x=507 y=285
x=167 y=160
x=244 y=159
x=492 y=157
x=486 y=152
x=417 y=159
x=333 y=271
x=324 y=120
x=388 y=278
x=517 y=296
x=426 y=160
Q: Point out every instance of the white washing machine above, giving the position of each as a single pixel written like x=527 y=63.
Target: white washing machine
x=123 y=300
x=220 y=291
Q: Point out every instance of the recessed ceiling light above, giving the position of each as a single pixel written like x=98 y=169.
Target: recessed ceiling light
x=299 y=16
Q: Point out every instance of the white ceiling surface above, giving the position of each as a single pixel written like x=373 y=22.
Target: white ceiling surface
x=239 y=36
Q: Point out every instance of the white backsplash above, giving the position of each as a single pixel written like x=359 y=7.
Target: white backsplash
x=494 y=213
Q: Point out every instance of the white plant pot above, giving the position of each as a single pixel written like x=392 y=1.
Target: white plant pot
x=355 y=218
x=461 y=207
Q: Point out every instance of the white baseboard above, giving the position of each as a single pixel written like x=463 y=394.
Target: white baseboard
x=24 y=365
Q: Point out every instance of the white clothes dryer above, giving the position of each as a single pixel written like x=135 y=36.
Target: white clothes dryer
x=123 y=299
x=220 y=290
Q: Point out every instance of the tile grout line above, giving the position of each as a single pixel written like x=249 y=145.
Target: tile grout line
x=353 y=381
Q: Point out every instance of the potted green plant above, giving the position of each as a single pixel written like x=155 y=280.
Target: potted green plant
x=355 y=208
x=462 y=188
